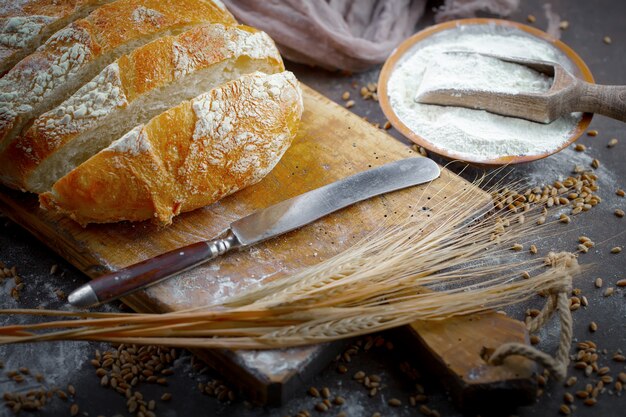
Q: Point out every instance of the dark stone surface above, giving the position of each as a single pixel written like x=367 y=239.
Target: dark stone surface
x=65 y=363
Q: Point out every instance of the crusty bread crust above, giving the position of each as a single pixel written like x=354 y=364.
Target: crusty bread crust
x=51 y=8
x=187 y=157
x=147 y=69
x=24 y=25
x=76 y=53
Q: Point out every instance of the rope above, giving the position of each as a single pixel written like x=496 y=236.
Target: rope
x=557 y=365
x=546 y=313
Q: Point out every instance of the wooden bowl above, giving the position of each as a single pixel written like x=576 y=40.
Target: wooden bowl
x=578 y=64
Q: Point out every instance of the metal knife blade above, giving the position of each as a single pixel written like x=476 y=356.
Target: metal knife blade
x=259 y=226
x=308 y=207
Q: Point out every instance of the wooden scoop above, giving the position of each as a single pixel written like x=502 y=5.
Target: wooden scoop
x=567 y=94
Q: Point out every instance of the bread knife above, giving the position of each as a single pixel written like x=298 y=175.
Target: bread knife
x=259 y=226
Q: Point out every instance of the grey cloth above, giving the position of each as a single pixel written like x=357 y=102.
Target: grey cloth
x=459 y=9
x=350 y=35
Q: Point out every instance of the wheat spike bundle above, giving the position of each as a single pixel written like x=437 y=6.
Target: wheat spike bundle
x=454 y=259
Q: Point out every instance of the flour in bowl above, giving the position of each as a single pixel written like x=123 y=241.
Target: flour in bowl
x=475 y=134
x=471 y=71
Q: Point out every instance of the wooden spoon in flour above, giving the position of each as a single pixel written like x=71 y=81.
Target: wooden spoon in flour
x=566 y=94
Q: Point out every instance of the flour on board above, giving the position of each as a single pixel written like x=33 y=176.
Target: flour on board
x=276 y=362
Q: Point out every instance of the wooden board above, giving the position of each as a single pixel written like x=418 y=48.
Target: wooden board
x=458 y=349
x=332 y=143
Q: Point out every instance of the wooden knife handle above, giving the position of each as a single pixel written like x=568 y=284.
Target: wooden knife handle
x=151 y=271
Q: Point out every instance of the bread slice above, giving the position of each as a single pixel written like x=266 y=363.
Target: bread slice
x=130 y=91
x=187 y=157
x=25 y=24
x=77 y=53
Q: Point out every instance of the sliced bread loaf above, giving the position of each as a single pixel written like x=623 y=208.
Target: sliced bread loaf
x=187 y=157
x=77 y=53
x=130 y=91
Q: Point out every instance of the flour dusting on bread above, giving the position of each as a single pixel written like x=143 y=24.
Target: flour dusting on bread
x=96 y=98
x=144 y=15
x=26 y=24
x=219 y=113
x=32 y=80
x=73 y=47
x=255 y=45
x=18 y=32
x=44 y=75
x=133 y=143
x=226 y=41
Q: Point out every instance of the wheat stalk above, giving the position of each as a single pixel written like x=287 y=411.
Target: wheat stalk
x=430 y=266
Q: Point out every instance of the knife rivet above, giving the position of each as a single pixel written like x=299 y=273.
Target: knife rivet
x=181 y=253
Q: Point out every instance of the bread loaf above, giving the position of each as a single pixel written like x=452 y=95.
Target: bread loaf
x=124 y=114
x=132 y=90
x=25 y=24
x=77 y=53
x=187 y=157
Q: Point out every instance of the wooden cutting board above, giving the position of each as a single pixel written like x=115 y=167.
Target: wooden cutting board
x=332 y=143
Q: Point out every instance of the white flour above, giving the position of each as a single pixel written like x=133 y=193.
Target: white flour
x=469 y=71
x=475 y=134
